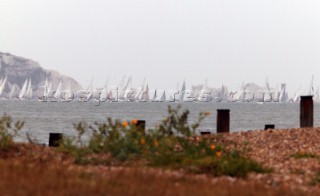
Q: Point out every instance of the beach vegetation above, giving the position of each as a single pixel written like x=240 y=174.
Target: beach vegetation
x=172 y=144
x=8 y=130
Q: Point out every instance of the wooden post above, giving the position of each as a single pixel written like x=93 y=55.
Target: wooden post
x=223 y=121
x=141 y=125
x=268 y=126
x=55 y=139
x=306 y=111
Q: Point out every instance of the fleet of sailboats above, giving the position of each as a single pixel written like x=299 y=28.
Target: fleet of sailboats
x=125 y=92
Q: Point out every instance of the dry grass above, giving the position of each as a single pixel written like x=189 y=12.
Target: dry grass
x=36 y=170
x=32 y=179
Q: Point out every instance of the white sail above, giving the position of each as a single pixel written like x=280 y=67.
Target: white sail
x=23 y=89
x=275 y=95
x=12 y=91
x=203 y=92
x=1 y=81
x=46 y=87
x=145 y=95
x=311 y=90
x=49 y=88
x=2 y=86
x=90 y=91
x=125 y=88
x=104 y=92
x=236 y=95
x=267 y=94
x=154 y=97
x=58 y=91
x=283 y=94
x=139 y=91
x=29 y=90
x=297 y=95
x=67 y=95
x=182 y=92
x=163 y=97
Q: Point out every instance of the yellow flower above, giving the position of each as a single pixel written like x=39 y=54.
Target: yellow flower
x=212 y=147
x=207 y=113
x=156 y=143
x=219 y=153
x=125 y=124
x=142 y=141
x=134 y=121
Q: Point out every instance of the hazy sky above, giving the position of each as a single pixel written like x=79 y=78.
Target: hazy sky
x=166 y=41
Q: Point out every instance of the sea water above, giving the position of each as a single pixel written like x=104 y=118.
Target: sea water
x=41 y=118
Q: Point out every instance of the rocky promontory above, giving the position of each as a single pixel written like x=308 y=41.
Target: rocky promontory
x=18 y=69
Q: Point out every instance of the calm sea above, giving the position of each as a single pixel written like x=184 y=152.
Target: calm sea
x=42 y=118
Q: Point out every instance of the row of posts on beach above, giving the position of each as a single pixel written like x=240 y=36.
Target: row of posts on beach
x=223 y=120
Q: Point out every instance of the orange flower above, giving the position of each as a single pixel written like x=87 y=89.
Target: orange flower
x=212 y=147
x=142 y=141
x=156 y=143
x=219 y=153
x=207 y=113
x=125 y=124
x=134 y=121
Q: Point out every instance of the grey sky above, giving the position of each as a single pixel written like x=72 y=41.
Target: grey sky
x=166 y=41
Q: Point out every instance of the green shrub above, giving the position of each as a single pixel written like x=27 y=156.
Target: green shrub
x=230 y=164
x=302 y=155
x=8 y=131
x=171 y=144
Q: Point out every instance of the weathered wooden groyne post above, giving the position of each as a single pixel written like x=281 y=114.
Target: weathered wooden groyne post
x=55 y=139
x=205 y=133
x=223 y=121
x=141 y=126
x=269 y=126
x=306 y=111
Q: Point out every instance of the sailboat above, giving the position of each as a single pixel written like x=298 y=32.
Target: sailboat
x=182 y=92
x=104 y=92
x=202 y=95
x=267 y=94
x=2 y=86
x=90 y=92
x=23 y=90
x=144 y=97
x=58 y=91
x=297 y=94
x=154 y=97
x=139 y=91
x=275 y=95
x=29 y=90
x=283 y=94
x=67 y=95
x=163 y=97
x=124 y=89
x=12 y=91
